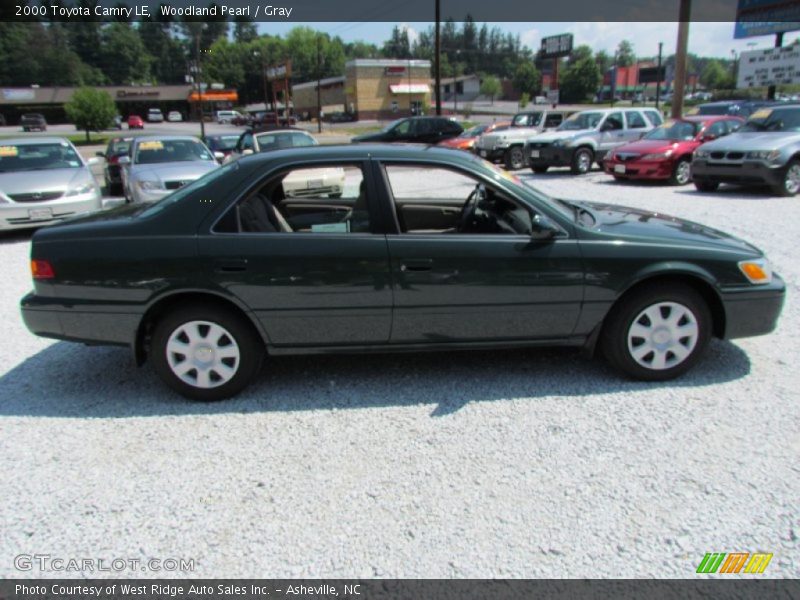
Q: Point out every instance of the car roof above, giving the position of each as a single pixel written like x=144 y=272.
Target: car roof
x=709 y=118
x=361 y=151
x=27 y=141
x=165 y=138
x=277 y=129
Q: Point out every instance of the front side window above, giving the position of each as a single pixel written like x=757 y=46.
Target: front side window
x=306 y=200
x=530 y=120
x=613 y=122
x=437 y=200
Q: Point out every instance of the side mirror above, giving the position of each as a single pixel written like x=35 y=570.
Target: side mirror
x=219 y=156
x=247 y=151
x=100 y=154
x=124 y=160
x=543 y=229
x=93 y=161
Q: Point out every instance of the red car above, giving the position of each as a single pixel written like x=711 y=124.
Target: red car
x=666 y=151
x=466 y=140
x=135 y=122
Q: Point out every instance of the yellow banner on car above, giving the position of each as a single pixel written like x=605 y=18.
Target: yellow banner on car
x=764 y=113
x=7 y=151
x=151 y=145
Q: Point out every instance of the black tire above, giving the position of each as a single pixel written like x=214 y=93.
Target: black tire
x=582 y=161
x=681 y=172
x=238 y=333
x=619 y=177
x=514 y=158
x=706 y=186
x=789 y=185
x=629 y=312
x=540 y=169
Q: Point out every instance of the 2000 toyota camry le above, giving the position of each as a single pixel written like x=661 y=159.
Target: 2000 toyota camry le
x=427 y=249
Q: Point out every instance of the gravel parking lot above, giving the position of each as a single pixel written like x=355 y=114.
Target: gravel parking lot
x=535 y=463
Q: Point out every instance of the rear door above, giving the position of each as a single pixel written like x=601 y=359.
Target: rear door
x=636 y=125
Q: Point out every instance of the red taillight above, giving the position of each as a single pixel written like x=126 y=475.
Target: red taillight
x=42 y=269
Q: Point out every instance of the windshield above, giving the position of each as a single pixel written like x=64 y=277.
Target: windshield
x=587 y=120
x=223 y=142
x=119 y=147
x=181 y=193
x=38 y=157
x=674 y=130
x=474 y=131
x=165 y=151
x=767 y=119
x=276 y=141
x=531 y=119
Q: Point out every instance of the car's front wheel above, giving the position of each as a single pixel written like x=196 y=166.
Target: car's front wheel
x=205 y=352
x=515 y=158
x=540 y=169
x=657 y=332
x=791 y=180
x=582 y=161
x=681 y=172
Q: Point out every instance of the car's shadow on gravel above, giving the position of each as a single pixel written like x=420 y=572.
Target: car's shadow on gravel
x=71 y=380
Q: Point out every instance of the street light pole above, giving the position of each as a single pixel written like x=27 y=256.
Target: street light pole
x=658 y=74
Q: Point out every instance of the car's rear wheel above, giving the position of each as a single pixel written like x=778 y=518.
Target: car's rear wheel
x=582 y=161
x=205 y=352
x=515 y=158
x=706 y=186
x=791 y=180
x=540 y=169
x=657 y=332
x=681 y=172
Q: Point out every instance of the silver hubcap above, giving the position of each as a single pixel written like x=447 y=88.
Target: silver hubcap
x=516 y=158
x=584 y=162
x=683 y=171
x=793 y=179
x=202 y=354
x=663 y=335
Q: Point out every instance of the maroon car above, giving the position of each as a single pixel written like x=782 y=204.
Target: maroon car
x=666 y=151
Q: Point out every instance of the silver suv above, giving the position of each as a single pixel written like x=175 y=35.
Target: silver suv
x=765 y=151
x=508 y=145
x=586 y=137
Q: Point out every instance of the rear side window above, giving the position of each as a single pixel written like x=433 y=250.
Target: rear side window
x=553 y=119
x=635 y=120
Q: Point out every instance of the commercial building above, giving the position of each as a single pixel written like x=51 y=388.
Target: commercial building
x=370 y=89
x=130 y=100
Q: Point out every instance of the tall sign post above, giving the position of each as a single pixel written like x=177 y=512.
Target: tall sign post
x=555 y=47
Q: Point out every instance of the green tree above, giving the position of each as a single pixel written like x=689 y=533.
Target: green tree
x=526 y=78
x=625 y=55
x=127 y=60
x=91 y=110
x=224 y=63
x=713 y=75
x=524 y=100
x=580 y=79
x=490 y=86
x=603 y=61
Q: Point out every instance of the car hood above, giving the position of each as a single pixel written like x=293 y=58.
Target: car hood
x=552 y=136
x=651 y=146
x=50 y=180
x=627 y=222
x=173 y=171
x=754 y=140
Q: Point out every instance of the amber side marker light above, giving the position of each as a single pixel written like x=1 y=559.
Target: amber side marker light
x=41 y=269
x=756 y=271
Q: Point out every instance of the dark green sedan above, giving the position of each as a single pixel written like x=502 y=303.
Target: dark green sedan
x=426 y=249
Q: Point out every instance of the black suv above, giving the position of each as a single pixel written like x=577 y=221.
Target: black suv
x=421 y=130
x=31 y=121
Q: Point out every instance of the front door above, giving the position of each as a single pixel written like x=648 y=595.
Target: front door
x=298 y=251
x=477 y=277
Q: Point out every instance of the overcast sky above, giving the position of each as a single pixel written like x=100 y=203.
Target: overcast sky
x=705 y=39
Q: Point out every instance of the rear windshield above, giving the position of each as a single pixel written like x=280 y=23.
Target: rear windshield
x=223 y=142
x=38 y=157
x=276 y=141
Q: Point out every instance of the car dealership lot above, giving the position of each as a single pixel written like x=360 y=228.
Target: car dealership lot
x=527 y=463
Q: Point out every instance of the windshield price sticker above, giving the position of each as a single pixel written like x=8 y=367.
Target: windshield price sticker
x=6 y=151
x=152 y=145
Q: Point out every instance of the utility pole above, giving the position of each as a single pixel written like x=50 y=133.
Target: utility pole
x=319 y=84
x=199 y=76
x=437 y=74
x=771 y=89
x=658 y=74
x=684 y=16
x=455 y=89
